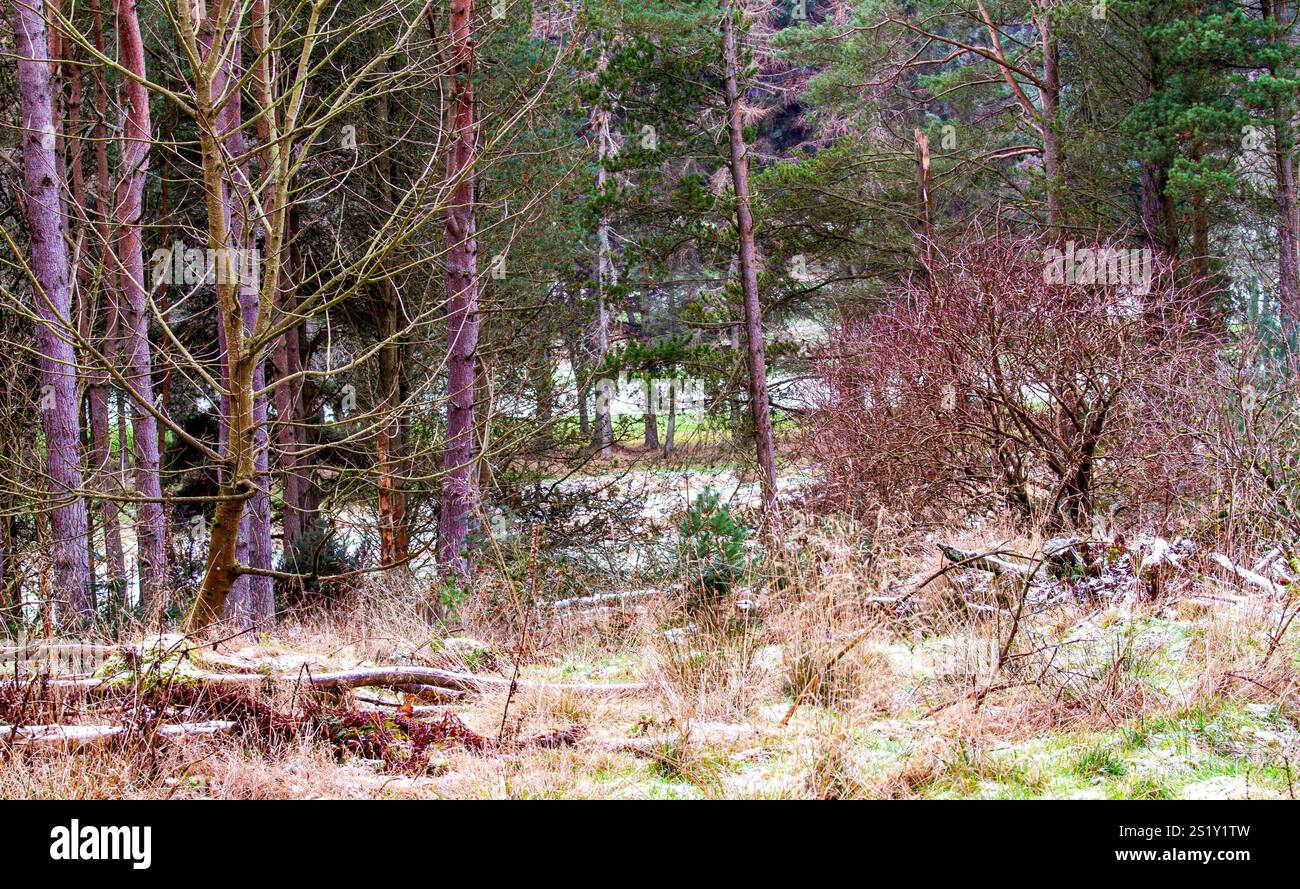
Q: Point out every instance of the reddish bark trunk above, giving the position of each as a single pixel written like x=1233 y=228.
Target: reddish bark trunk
x=394 y=536
x=61 y=415
x=458 y=489
x=1051 y=103
x=290 y=433
x=151 y=530
x=390 y=442
x=96 y=378
x=1288 y=207
x=758 y=403
x=110 y=479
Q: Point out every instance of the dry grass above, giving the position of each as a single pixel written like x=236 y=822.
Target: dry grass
x=935 y=700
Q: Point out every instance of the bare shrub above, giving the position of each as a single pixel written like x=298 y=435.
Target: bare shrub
x=1241 y=438
x=990 y=382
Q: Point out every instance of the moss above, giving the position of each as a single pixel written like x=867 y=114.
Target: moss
x=158 y=660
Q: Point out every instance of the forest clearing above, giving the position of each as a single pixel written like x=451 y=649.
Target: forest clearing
x=611 y=399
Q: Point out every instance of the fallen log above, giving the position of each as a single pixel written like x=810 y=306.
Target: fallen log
x=980 y=561
x=47 y=650
x=399 y=676
x=1249 y=576
x=99 y=684
x=602 y=598
x=78 y=737
x=429 y=681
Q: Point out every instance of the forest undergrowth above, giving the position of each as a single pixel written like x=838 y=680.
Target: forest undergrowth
x=861 y=662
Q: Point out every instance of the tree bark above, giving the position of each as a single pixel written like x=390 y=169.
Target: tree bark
x=1051 y=97
x=61 y=415
x=734 y=399
x=252 y=596
x=1288 y=208
x=390 y=444
x=670 y=436
x=239 y=467
x=543 y=384
x=581 y=381
x=290 y=429
x=758 y=400
x=101 y=332
x=606 y=276
x=651 y=417
x=458 y=489
x=151 y=531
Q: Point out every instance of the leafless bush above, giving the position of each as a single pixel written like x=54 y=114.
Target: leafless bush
x=993 y=382
x=1238 y=433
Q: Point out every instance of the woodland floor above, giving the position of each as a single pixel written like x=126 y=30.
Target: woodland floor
x=1167 y=696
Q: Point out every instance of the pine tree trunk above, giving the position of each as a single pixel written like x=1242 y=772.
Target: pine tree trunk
x=603 y=433
x=733 y=402
x=52 y=299
x=458 y=490
x=581 y=383
x=758 y=402
x=1051 y=96
x=151 y=531
x=394 y=537
x=543 y=400
x=290 y=413
x=286 y=359
x=670 y=436
x=651 y=417
x=101 y=332
x=8 y=597
x=1288 y=208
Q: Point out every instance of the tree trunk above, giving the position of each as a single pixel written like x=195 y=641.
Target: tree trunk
x=581 y=383
x=651 y=417
x=758 y=402
x=151 y=531
x=543 y=381
x=1288 y=209
x=605 y=277
x=61 y=413
x=670 y=436
x=239 y=468
x=1152 y=215
x=9 y=605
x=458 y=493
x=102 y=332
x=1051 y=97
x=734 y=397
x=287 y=362
x=252 y=598
x=394 y=537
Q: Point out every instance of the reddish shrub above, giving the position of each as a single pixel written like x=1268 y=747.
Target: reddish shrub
x=1018 y=373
